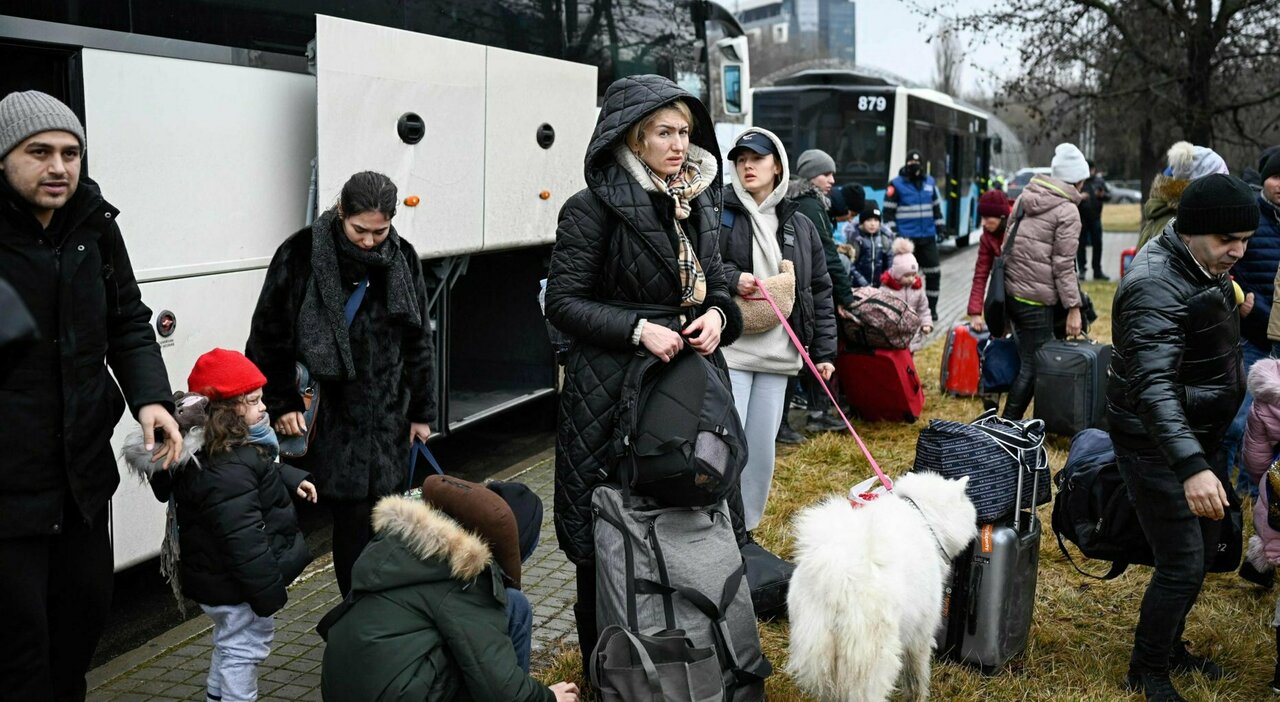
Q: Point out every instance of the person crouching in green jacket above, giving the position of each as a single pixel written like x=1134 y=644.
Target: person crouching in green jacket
x=435 y=611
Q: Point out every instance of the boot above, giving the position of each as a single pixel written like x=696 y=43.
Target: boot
x=1275 y=679
x=1183 y=661
x=1263 y=579
x=1155 y=687
x=822 y=421
x=787 y=435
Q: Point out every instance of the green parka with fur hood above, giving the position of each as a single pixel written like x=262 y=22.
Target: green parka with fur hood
x=429 y=620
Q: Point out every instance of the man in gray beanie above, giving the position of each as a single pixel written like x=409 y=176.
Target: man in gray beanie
x=810 y=189
x=62 y=252
x=1176 y=325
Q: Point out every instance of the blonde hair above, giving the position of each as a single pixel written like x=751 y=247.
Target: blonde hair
x=635 y=135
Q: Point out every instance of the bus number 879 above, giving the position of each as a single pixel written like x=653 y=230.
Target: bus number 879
x=870 y=103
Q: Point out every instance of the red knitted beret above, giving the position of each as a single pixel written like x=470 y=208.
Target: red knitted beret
x=994 y=203
x=222 y=374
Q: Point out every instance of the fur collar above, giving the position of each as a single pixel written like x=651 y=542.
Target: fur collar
x=800 y=187
x=1168 y=188
x=1264 y=381
x=429 y=533
x=707 y=164
x=138 y=459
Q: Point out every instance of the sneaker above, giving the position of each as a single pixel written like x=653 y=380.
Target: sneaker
x=787 y=435
x=1099 y=275
x=1183 y=661
x=1155 y=687
x=798 y=402
x=1263 y=579
x=823 y=422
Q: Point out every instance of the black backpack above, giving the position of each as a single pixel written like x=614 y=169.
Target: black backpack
x=1093 y=511
x=678 y=438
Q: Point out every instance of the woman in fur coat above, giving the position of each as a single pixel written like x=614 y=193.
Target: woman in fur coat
x=903 y=280
x=376 y=381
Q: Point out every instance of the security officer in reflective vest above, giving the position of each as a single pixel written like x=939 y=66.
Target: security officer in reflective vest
x=913 y=206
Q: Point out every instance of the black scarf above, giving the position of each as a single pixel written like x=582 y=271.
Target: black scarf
x=322 y=328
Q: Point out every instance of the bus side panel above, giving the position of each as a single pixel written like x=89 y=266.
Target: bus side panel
x=210 y=311
x=524 y=92
x=208 y=163
x=367 y=78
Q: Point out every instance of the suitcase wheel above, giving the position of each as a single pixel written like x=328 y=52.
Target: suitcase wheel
x=909 y=418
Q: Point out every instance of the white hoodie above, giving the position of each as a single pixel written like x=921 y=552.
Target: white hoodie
x=769 y=351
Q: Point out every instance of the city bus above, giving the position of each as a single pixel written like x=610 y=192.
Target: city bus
x=220 y=127
x=868 y=124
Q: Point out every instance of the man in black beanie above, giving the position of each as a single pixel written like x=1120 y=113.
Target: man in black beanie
x=1175 y=325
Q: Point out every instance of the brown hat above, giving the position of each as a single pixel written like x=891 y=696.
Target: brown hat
x=482 y=512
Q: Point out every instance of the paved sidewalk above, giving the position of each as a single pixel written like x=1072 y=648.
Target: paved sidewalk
x=173 y=665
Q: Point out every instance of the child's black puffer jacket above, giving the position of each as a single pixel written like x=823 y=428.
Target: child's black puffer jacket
x=237 y=528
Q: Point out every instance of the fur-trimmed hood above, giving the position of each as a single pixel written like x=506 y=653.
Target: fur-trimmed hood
x=1264 y=381
x=1168 y=189
x=800 y=187
x=414 y=542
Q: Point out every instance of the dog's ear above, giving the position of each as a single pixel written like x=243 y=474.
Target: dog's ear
x=964 y=482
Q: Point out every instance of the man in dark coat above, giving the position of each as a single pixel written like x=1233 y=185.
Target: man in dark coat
x=616 y=249
x=62 y=252
x=1095 y=193
x=913 y=208
x=1176 y=382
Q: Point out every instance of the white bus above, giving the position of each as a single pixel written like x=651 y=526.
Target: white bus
x=868 y=124
x=220 y=127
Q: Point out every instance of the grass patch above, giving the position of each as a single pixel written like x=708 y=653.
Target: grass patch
x=1082 y=630
x=1122 y=218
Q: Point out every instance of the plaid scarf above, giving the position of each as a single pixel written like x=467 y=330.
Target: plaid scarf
x=683 y=187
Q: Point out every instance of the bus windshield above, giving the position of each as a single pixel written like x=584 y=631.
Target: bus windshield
x=854 y=127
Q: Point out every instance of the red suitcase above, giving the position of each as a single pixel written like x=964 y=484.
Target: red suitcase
x=1126 y=258
x=881 y=384
x=961 y=364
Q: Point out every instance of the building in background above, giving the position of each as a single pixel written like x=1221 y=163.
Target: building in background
x=787 y=32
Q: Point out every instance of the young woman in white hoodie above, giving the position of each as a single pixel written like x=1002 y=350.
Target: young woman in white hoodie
x=759 y=231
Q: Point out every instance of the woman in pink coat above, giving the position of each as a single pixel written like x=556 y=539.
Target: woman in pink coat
x=1261 y=442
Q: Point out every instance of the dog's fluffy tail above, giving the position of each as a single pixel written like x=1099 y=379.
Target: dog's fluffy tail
x=844 y=644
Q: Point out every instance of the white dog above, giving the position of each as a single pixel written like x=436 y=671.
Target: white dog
x=866 y=597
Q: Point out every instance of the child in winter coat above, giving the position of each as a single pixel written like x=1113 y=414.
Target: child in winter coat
x=238 y=545
x=874 y=245
x=426 y=617
x=1261 y=443
x=903 y=280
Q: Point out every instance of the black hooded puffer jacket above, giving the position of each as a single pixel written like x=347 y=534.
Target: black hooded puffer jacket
x=616 y=244
x=1176 y=377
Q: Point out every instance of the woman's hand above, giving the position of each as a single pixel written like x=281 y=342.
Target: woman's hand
x=978 y=323
x=826 y=369
x=703 y=333
x=843 y=313
x=746 y=285
x=292 y=424
x=662 y=342
x=307 y=491
x=419 y=431
x=927 y=329
x=565 y=692
x=157 y=423
x=1073 y=322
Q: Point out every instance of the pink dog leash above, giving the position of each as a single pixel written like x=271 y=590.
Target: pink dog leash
x=884 y=479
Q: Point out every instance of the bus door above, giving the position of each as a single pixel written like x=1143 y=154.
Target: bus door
x=951 y=183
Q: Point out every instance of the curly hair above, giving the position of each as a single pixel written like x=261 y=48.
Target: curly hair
x=225 y=428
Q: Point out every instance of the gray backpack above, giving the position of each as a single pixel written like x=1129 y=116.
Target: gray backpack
x=678 y=568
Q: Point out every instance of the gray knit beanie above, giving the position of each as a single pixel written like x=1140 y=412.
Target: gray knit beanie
x=32 y=112
x=814 y=162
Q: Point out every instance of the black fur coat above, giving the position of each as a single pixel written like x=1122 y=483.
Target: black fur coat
x=361 y=446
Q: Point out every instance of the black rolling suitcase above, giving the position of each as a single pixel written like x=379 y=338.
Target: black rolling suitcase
x=1071 y=386
x=990 y=598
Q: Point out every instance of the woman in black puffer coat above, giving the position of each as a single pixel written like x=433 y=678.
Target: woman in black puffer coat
x=653 y=183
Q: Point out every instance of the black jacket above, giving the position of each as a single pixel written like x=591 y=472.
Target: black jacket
x=237 y=529
x=361 y=446
x=813 y=315
x=814 y=205
x=58 y=401
x=615 y=246
x=1176 y=376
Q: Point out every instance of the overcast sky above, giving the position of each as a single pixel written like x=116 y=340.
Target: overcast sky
x=892 y=37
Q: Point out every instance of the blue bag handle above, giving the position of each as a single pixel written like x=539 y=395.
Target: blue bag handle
x=353 y=302
x=416 y=449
